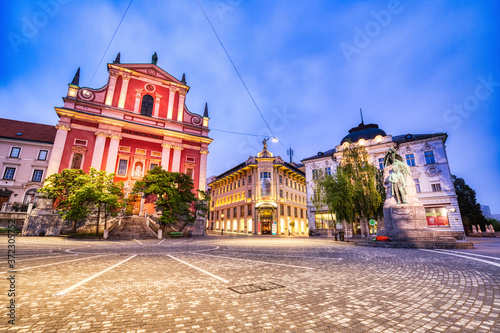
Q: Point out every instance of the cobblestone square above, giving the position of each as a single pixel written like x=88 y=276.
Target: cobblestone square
x=250 y=284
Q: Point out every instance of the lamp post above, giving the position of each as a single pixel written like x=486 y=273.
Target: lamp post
x=222 y=226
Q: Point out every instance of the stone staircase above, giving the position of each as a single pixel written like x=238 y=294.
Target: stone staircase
x=133 y=227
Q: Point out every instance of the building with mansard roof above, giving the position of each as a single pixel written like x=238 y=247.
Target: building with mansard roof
x=263 y=195
x=137 y=121
x=425 y=154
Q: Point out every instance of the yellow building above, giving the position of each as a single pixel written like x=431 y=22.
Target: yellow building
x=263 y=195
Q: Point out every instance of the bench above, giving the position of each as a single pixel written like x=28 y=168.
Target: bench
x=176 y=234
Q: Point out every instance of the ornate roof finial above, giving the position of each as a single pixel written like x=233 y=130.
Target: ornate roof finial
x=361 y=111
x=76 y=78
x=183 y=80
x=154 y=58
x=205 y=113
x=117 y=60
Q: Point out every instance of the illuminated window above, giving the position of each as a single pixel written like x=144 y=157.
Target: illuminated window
x=437 y=217
x=361 y=142
x=190 y=172
x=147 y=105
x=429 y=157
x=378 y=139
x=410 y=160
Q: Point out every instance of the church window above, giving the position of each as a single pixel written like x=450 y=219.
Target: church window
x=147 y=105
x=410 y=159
x=429 y=157
x=77 y=161
x=122 y=168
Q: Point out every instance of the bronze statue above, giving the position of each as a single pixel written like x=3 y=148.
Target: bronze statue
x=398 y=176
x=265 y=143
x=154 y=59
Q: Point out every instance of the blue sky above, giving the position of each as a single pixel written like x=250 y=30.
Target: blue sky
x=413 y=66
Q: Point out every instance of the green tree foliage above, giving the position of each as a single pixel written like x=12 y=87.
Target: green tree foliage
x=174 y=195
x=77 y=194
x=61 y=188
x=338 y=196
x=99 y=192
x=355 y=189
x=470 y=209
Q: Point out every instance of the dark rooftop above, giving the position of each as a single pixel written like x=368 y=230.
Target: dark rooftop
x=21 y=130
x=362 y=131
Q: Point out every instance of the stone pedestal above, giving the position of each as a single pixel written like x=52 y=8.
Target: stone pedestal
x=43 y=220
x=199 y=227
x=406 y=222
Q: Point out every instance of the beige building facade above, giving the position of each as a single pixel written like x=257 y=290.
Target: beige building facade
x=262 y=196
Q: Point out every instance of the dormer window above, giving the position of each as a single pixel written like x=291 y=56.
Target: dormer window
x=147 y=105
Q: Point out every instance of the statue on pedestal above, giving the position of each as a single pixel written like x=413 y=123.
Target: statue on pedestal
x=398 y=176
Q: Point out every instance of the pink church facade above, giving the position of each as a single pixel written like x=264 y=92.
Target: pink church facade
x=137 y=121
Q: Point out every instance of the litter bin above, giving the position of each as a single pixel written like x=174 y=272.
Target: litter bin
x=341 y=236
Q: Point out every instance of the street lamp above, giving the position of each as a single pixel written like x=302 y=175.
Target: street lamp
x=222 y=226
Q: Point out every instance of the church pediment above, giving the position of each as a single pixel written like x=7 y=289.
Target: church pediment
x=148 y=70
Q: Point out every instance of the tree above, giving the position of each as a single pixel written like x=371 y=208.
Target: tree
x=99 y=191
x=61 y=188
x=470 y=209
x=338 y=197
x=318 y=197
x=174 y=195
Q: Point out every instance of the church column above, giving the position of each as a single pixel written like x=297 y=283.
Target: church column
x=165 y=155
x=113 y=152
x=58 y=149
x=176 y=161
x=203 y=169
x=123 y=92
x=157 y=105
x=98 y=150
x=171 y=98
x=137 y=105
x=180 y=110
x=111 y=87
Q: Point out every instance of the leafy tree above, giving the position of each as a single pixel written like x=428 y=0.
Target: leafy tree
x=99 y=191
x=174 y=195
x=470 y=209
x=61 y=188
x=338 y=197
x=318 y=197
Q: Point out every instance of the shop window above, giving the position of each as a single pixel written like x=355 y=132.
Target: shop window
x=437 y=217
x=249 y=210
x=42 y=155
x=147 y=105
x=323 y=221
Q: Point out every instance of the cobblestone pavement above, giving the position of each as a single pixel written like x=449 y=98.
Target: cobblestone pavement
x=247 y=284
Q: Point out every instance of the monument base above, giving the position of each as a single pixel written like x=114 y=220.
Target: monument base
x=406 y=226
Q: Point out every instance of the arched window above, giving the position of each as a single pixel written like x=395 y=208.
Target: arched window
x=77 y=161
x=29 y=196
x=147 y=105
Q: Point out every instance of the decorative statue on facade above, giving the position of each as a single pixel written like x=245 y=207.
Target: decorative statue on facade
x=154 y=59
x=398 y=176
x=264 y=142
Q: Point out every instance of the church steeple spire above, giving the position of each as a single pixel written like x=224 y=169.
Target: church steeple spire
x=76 y=78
